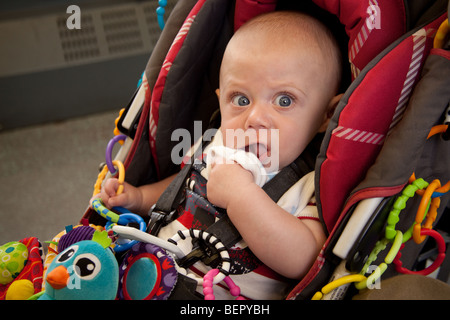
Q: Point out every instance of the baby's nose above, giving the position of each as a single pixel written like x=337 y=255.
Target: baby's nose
x=259 y=117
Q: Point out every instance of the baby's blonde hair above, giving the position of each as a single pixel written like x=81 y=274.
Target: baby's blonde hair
x=302 y=27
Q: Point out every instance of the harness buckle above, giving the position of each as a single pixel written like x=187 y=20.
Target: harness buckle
x=203 y=253
x=158 y=219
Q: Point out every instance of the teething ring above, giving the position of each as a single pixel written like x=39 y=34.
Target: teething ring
x=212 y=240
x=431 y=215
x=102 y=175
x=437 y=262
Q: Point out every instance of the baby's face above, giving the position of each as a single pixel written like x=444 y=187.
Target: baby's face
x=280 y=90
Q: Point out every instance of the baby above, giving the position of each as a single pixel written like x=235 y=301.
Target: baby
x=280 y=73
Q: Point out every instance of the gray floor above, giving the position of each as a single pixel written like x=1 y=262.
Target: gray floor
x=47 y=174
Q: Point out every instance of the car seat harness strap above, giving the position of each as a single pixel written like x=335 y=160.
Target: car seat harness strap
x=165 y=209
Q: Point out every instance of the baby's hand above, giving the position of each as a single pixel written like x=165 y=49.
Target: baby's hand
x=225 y=181
x=130 y=197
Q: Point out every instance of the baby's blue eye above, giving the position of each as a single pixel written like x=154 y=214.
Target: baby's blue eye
x=283 y=100
x=240 y=100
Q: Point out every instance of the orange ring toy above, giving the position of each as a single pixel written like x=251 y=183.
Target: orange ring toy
x=431 y=215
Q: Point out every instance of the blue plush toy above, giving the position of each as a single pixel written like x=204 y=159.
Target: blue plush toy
x=87 y=270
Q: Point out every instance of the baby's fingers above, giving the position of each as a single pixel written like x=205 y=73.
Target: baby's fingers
x=111 y=187
x=121 y=200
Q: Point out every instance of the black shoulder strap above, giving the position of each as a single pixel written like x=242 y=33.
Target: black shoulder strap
x=286 y=178
x=164 y=209
x=289 y=175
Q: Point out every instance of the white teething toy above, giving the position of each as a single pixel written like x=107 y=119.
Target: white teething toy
x=247 y=160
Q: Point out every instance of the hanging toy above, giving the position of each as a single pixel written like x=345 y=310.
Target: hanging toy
x=160 y=13
x=13 y=257
x=208 y=282
x=86 y=270
x=21 y=269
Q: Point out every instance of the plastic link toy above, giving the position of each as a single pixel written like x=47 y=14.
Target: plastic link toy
x=160 y=13
x=441 y=34
x=399 y=205
x=123 y=219
x=421 y=212
x=98 y=206
x=208 y=282
x=437 y=262
x=427 y=212
x=378 y=272
x=102 y=175
x=109 y=149
x=337 y=283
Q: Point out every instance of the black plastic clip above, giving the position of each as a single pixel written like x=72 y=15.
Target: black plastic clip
x=158 y=219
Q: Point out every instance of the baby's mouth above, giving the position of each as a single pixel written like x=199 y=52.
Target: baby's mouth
x=258 y=149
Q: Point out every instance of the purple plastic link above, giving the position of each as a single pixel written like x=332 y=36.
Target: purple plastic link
x=108 y=154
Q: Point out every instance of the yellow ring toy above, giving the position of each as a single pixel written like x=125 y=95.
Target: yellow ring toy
x=116 y=122
x=337 y=283
x=441 y=34
x=102 y=175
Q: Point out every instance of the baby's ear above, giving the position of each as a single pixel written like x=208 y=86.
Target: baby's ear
x=218 y=93
x=330 y=111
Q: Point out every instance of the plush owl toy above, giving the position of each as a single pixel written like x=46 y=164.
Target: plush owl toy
x=86 y=270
